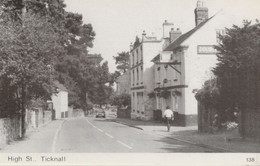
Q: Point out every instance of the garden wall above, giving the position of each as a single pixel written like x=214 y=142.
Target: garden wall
x=9 y=130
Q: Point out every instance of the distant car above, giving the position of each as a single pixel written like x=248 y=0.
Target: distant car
x=101 y=114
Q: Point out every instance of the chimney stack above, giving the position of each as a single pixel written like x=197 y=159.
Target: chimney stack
x=174 y=34
x=131 y=46
x=143 y=35
x=167 y=28
x=201 y=12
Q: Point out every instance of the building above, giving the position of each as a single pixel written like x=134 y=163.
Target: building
x=186 y=63
x=60 y=101
x=142 y=75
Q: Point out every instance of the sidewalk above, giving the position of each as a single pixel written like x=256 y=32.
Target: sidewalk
x=41 y=140
x=229 y=141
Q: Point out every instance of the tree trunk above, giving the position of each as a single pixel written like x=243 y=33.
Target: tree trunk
x=23 y=111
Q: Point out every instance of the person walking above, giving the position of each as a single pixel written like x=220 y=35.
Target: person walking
x=168 y=115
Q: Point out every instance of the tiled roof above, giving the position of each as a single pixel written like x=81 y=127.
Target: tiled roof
x=185 y=36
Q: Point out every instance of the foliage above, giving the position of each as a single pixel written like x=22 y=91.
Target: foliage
x=238 y=72
x=41 y=43
x=122 y=100
x=101 y=90
x=122 y=61
x=165 y=94
x=209 y=94
x=27 y=54
x=236 y=86
x=151 y=94
x=176 y=93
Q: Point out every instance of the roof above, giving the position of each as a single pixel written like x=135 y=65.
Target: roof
x=185 y=36
x=156 y=58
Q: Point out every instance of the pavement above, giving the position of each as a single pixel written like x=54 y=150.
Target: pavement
x=225 y=141
x=40 y=140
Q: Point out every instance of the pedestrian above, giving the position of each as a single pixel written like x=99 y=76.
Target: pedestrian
x=168 y=115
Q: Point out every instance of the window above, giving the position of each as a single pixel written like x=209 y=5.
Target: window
x=137 y=74
x=133 y=77
x=220 y=32
x=141 y=53
x=133 y=59
x=141 y=74
x=137 y=56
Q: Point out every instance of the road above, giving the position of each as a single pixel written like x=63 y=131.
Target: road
x=98 y=135
x=103 y=135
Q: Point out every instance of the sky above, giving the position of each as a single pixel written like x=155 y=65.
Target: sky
x=118 y=22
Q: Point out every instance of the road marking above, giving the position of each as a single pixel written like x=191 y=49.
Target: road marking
x=56 y=137
x=129 y=147
x=91 y=124
x=109 y=135
x=100 y=130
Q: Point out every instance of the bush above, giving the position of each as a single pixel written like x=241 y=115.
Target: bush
x=209 y=94
x=122 y=100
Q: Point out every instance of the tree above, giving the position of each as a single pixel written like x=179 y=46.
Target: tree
x=102 y=89
x=122 y=61
x=27 y=53
x=238 y=71
x=122 y=100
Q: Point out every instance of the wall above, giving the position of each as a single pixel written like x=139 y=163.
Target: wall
x=9 y=130
x=140 y=104
x=74 y=113
x=36 y=118
x=198 y=67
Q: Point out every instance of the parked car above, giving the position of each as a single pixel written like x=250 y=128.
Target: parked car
x=101 y=114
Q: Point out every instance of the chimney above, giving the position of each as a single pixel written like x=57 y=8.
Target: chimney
x=143 y=35
x=174 y=34
x=201 y=12
x=167 y=28
x=131 y=46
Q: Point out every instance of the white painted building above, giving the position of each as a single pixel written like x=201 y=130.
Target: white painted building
x=142 y=76
x=186 y=63
x=60 y=101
